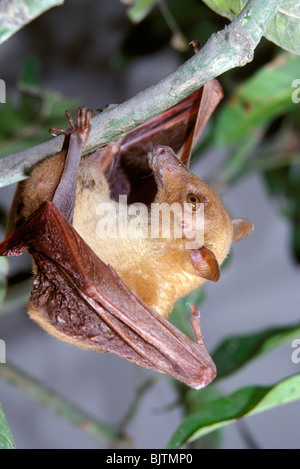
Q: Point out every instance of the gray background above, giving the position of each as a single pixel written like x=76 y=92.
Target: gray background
x=261 y=288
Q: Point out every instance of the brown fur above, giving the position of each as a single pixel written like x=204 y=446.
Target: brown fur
x=158 y=270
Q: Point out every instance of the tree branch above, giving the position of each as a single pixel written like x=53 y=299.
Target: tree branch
x=49 y=399
x=232 y=47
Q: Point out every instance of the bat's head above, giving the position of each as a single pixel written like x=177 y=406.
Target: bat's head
x=208 y=230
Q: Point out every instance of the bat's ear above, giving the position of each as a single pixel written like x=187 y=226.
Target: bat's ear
x=241 y=228
x=205 y=264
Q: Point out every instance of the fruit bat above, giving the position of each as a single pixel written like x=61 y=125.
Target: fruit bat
x=114 y=293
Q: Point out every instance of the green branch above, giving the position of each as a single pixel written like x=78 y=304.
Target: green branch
x=232 y=47
x=63 y=408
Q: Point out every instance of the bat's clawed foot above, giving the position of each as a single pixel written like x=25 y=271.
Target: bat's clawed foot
x=82 y=126
x=195 y=323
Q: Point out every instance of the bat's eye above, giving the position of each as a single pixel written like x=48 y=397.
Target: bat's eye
x=193 y=200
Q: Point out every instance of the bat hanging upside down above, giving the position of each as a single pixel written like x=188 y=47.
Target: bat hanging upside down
x=112 y=292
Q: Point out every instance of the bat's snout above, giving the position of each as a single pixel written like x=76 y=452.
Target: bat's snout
x=161 y=155
x=164 y=163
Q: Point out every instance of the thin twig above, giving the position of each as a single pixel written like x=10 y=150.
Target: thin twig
x=232 y=47
x=131 y=412
x=247 y=436
x=49 y=399
x=173 y=26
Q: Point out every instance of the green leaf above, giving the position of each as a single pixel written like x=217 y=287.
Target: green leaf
x=284 y=184
x=27 y=122
x=236 y=351
x=284 y=29
x=30 y=74
x=192 y=401
x=6 y=439
x=237 y=163
x=244 y=402
x=266 y=95
x=16 y=13
x=140 y=9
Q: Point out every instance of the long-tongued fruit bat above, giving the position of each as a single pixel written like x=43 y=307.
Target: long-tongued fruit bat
x=112 y=293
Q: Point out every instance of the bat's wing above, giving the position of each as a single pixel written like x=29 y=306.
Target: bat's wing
x=171 y=127
x=79 y=299
x=179 y=127
x=210 y=97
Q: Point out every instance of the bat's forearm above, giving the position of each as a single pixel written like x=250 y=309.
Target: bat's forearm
x=64 y=196
x=65 y=193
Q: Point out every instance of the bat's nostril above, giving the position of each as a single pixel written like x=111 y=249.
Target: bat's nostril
x=161 y=151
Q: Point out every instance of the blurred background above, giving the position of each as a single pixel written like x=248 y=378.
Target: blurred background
x=91 y=53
